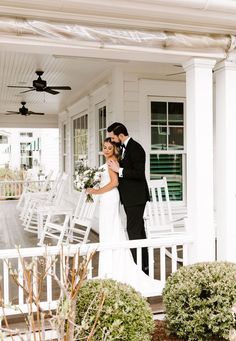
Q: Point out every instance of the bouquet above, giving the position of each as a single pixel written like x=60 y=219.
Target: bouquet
x=87 y=177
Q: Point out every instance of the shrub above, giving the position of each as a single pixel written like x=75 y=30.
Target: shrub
x=198 y=300
x=125 y=314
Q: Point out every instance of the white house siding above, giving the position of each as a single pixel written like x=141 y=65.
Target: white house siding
x=49 y=139
x=130 y=93
x=135 y=96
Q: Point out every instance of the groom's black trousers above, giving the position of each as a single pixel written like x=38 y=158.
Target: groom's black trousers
x=135 y=230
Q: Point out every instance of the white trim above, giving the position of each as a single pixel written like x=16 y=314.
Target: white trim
x=97 y=107
x=99 y=98
x=158 y=89
x=183 y=152
x=196 y=15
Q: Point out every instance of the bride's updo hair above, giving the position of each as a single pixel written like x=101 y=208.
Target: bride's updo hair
x=116 y=149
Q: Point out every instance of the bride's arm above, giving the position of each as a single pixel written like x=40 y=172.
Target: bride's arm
x=112 y=184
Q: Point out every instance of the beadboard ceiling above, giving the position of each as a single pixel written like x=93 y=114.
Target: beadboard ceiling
x=79 y=73
x=19 y=69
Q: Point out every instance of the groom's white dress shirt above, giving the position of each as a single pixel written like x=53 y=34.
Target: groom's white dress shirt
x=122 y=155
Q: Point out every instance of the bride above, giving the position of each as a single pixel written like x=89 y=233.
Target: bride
x=114 y=263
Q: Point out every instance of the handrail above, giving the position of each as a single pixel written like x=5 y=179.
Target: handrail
x=15 y=257
x=12 y=189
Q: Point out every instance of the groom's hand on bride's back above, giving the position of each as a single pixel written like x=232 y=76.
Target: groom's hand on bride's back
x=114 y=165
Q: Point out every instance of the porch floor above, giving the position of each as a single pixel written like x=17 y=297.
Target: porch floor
x=12 y=234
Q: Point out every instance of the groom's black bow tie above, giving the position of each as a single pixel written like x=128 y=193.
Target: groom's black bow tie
x=122 y=146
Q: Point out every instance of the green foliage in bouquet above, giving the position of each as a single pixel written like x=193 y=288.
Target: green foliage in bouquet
x=124 y=315
x=199 y=299
x=87 y=177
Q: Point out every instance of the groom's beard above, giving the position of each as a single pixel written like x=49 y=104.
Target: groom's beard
x=118 y=144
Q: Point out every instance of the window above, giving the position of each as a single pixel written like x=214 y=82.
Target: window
x=80 y=138
x=26 y=155
x=3 y=139
x=101 y=132
x=167 y=156
x=64 y=149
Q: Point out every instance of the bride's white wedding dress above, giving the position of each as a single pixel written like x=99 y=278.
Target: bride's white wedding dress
x=114 y=263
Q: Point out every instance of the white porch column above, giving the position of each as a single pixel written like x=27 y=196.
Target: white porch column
x=199 y=124
x=225 y=153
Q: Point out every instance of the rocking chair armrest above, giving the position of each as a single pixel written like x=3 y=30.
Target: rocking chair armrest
x=59 y=211
x=178 y=219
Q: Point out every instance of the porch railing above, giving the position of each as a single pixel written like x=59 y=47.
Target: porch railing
x=160 y=266
x=12 y=189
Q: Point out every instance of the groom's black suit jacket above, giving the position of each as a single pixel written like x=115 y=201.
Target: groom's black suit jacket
x=133 y=186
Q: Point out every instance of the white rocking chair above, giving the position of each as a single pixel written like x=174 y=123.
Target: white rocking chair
x=158 y=217
x=49 y=195
x=33 y=218
x=74 y=227
x=28 y=188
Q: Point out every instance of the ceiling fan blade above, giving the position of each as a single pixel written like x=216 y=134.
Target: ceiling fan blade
x=22 y=92
x=12 y=113
x=59 y=87
x=20 y=87
x=35 y=113
x=50 y=91
x=175 y=74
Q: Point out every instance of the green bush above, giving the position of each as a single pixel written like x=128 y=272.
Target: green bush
x=198 y=300
x=125 y=314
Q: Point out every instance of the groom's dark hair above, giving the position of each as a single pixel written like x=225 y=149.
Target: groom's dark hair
x=117 y=129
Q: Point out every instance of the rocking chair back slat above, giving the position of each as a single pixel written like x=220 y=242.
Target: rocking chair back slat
x=158 y=214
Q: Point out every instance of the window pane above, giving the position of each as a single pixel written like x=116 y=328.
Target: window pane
x=169 y=166
x=80 y=137
x=158 y=113
x=176 y=113
x=159 y=138
x=3 y=139
x=176 y=138
x=101 y=132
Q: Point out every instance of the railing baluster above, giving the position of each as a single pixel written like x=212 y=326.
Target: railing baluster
x=163 y=264
x=139 y=257
x=62 y=268
x=21 y=281
x=49 y=278
x=6 y=281
x=90 y=268
x=151 y=261
x=185 y=254
x=35 y=276
x=174 y=258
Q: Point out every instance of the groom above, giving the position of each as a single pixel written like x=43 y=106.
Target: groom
x=133 y=186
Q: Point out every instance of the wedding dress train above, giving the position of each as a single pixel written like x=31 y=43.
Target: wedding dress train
x=114 y=263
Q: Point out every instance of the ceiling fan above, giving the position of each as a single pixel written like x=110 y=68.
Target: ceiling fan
x=24 y=111
x=41 y=85
x=176 y=73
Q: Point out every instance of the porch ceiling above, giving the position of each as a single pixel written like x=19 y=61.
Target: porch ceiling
x=81 y=74
x=23 y=50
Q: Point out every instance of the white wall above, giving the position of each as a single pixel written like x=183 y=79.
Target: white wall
x=50 y=150
x=126 y=96
x=121 y=90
